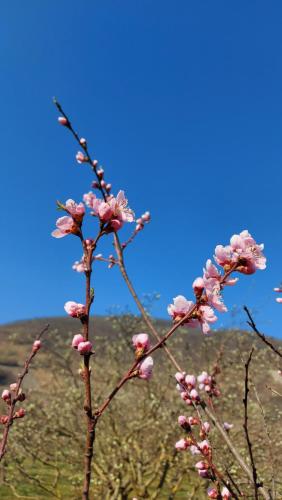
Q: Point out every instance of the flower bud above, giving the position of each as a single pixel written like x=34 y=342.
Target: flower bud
x=13 y=387
x=6 y=396
x=82 y=141
x=180 y=377
x=4 y=419
x=77 y=339
x=20 y=413
x=84 y=347
x=36 y=345
x=63 y=121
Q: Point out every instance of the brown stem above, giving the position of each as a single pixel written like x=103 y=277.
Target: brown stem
x=21 y=376
x=252 y=324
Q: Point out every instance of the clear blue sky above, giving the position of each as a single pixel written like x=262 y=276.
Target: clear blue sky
x=181 y=103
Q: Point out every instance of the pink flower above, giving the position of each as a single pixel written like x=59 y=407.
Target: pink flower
x=65 y=225
x=13 y=387
x=84 y=347
x=145 y=369
x=180 y=307
x=6 y=395
x=114 y=211
x=204 y=379
x=213 y=291
x=193 y=421
x=194 y=395
x=206 y=316
x=204 y=447
x=180 y=377
x=206 y=427
x=121 y=211
x=76 y=210
x=181 y=445
x=141 y=342
x=276 y=289
x=80 y=266
x=195 y=450
x=182 y=420
x=190 y=380
x=36 y=345
x=77 y=339
x=225 y=493
x=80 y=157
x=74 y=309
x=201 y=465
x=226 y=426
x=279 y=300
x=198 y=285
x=212 y=492
x=242 y=250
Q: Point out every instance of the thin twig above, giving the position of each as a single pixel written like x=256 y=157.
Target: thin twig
x=252 y=324
x=21 y=376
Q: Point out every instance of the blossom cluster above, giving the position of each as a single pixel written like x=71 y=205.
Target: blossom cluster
x=242 y=255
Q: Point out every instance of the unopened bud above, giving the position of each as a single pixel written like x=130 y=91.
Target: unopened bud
x=63 y=121
x=20 y=413
x=36 y=345
x=6 y=395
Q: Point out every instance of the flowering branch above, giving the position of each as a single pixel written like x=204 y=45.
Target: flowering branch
x=16 y=395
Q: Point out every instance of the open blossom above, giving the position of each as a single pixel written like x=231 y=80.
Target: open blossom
x=65 y=225
x=145 y=369
x=80 y=157
x=141 y=342
x=79 y=265
x=242 y=250
x=113 y=211
x=201 y=317
x=76 y=210
x=180 y=307
x=74 y=309
x=206 y=316
x=182 y=445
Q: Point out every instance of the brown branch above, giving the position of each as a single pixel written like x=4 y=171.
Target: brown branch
x=245 y=425
x=252 y=324
x=15 y=399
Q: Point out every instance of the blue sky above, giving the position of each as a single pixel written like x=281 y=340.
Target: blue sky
x=181 y=103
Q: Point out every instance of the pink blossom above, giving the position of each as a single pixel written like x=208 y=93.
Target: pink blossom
x=190 y=380
x=206 y=316
x=201 y=465
x=74 y=309
x=145 y=369
x=80 y=266
x=180 y=307
x=141 y=342
x=6 y=395
x=146 y=217
x=206 y=427
x=80 y=157
x=82 y=141
x=203 y=473
x=225 y=493
x=36 y=345
x=204 y=379
x=198 y=285
x=77 y=339
x=182 y=445
x=211 y=272
x=195 y=450
x=279 y=300
x=204 y=447
x=76 y=210
x=84 y=347
x=194 y=395
x=213 y=291
x=276 y=289
x=180 y=377
x=193 y=421
x=182 y=420
x=65 y=225
x=242 y=250
x=212 y=492
x=227 y=426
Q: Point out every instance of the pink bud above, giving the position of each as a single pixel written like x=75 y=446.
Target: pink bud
x=103 y=183
x=182 y=420
x=63 y=121
x=201 y=465
x=203 y=473
x=20 y=413
x=77 y=339
x=181 y=445
x=139 y=227
x=95 y=184
x=84 y=347
x=227 y=426
x=206 y=427
x=108 y=187
x=225 y=493
x=279 y=300
x=212 y=493
x=146 y=368
x=95 y=163
x=198 y=284
x=4 y=419
x=140 y=341
x=82 y=141
x=193 y=421
x=13 y=387
x=36 y=345
x=146 y=216
x=6 y=395
x=80 y=157
x=100 y=173
x=180 y=377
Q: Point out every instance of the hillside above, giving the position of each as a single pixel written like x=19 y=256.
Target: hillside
x=135 y=442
